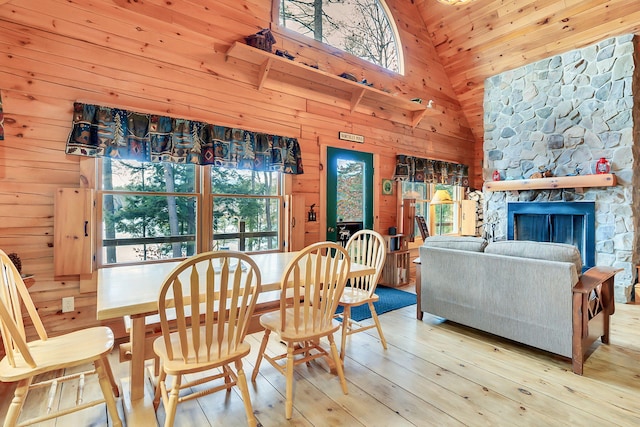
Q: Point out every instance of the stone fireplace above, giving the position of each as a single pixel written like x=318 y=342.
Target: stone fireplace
x=561 y=115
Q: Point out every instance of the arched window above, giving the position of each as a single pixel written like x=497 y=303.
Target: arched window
x=360 y=27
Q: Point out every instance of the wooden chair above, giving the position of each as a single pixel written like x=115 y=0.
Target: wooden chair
x=26 y=359
x=205 y=333
x=366 y=247
x=314 y=281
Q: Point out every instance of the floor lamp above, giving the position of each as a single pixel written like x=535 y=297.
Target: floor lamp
x=441 y=197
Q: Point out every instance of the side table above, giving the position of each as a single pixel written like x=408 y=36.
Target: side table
x=418 y=288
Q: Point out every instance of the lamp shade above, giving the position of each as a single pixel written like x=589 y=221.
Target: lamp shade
x=441 y=197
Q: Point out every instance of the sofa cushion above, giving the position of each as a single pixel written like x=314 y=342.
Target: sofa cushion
x=537 y=250
x=463 y=243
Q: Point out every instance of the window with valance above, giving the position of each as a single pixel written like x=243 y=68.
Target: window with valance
x=100 y=131
x=416 y=169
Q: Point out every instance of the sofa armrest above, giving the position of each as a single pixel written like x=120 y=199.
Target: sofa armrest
x=591 y=312
x=593 y=278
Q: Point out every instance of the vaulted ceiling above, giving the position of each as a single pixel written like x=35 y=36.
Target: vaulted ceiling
x=483 y=38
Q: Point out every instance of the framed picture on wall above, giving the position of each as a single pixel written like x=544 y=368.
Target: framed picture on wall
x=387 y=187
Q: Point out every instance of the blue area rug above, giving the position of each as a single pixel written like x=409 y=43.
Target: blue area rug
x=390 y=299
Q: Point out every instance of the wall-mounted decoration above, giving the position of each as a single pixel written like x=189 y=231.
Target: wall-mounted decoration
x=311 y=214
x=1 y=120
x=387 y=187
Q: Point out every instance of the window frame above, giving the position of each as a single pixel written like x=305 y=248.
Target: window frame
x=204 y=213
x=334 y=51
x=429 y=209
x=280 y=196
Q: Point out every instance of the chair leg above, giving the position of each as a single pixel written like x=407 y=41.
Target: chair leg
x=338 y=362
x=375 y=319
x=246 y=398
x=346 y=316
x=263 y=347
x=162 y=377
x=17 y=402
x=172 y=406
x=112 y=380
x=289 y=377
x=103 y=369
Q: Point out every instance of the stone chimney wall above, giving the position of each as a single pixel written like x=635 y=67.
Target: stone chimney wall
x=562 y=114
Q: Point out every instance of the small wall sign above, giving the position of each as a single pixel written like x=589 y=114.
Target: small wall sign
x=351 y=137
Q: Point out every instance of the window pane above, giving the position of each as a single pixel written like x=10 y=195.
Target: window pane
x=360 y=27
x=445 y=214
x=246 y=223
x=141 y=227
x=130 y=175
x=237 y=181
x=350 y=191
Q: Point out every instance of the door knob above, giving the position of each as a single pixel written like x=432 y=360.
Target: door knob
x=331 y=229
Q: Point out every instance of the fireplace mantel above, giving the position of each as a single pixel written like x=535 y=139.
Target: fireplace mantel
x=579 y=181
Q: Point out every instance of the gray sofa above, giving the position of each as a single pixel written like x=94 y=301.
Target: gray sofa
x=529 y=292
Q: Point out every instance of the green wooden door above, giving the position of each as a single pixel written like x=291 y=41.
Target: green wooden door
x=349 y=192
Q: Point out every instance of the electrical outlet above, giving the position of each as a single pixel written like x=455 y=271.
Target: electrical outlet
x=67 y=304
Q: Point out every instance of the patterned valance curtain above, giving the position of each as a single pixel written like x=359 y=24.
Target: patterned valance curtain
x=1 y=120
x=416 y=169
x=111 y=132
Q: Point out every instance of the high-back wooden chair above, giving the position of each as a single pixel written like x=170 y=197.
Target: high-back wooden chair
x=206 y=332
x=311 y=288
x=365 y=247
x=26 y=359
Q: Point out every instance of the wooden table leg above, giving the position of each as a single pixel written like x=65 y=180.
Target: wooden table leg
x=418 y=288
x=137 y=337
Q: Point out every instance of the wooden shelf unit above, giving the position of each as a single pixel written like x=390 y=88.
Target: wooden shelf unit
x=315 y=79
x=396 y=265
x=579 y=181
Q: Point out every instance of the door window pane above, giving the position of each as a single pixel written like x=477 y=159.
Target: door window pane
x=350 y=191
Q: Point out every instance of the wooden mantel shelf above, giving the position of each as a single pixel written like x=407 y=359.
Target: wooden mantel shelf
x=312 y=78
x=579 y=181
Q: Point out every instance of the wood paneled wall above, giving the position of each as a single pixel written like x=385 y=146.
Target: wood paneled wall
x=169 y=58
x=486 y=37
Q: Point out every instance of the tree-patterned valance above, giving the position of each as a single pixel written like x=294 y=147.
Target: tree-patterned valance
x=416 y=169
x=112 y=132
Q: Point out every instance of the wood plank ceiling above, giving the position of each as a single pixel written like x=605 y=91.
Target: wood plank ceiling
x=483 y=38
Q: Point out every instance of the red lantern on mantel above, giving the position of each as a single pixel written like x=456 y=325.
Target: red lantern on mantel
x=496 y=175
x=602 y=166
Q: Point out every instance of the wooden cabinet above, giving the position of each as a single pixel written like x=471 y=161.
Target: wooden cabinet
x=274 y=67
x=73 y=242
x=396 y=266
x=468 y=218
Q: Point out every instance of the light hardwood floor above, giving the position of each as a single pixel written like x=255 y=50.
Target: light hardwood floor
x=434 y=373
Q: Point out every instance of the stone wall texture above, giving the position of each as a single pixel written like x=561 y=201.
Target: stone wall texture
x=562 y=114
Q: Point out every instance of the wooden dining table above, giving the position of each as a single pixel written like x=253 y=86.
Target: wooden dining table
x=133 y=291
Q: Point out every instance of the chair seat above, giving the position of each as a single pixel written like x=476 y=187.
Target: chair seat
x=72 y=349
x=217 y=356
x=357 y=297
x=272 y=322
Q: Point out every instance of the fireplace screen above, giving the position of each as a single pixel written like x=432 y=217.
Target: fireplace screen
x=557 y=222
